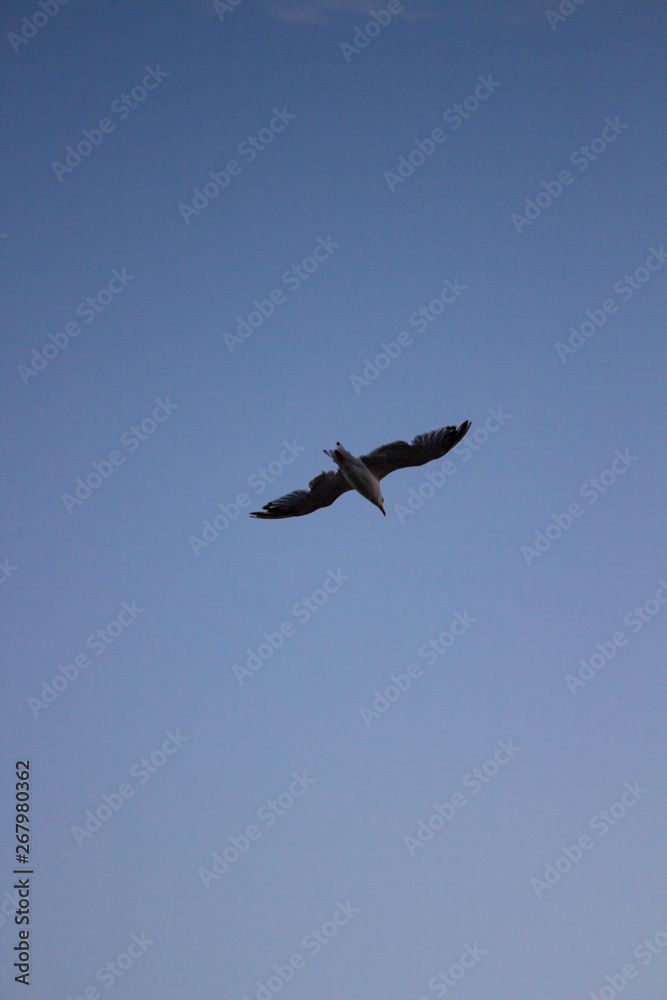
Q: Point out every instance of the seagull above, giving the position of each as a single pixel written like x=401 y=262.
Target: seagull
x=363 y=474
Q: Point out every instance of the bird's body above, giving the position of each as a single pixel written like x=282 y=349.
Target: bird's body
x=363 y=474
x=357 y=474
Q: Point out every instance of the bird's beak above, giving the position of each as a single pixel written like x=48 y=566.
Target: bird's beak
x=382 y=509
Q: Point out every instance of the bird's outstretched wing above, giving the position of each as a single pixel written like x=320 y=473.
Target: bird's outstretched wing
x=425 y=448
x=322 y=492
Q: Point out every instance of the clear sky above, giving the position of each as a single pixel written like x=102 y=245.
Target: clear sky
x=338 y=757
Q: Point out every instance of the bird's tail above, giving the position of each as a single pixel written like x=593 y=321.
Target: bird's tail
x=334 y=454
x=340 y=454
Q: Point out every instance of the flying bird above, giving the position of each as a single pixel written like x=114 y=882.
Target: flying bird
x=363 y=474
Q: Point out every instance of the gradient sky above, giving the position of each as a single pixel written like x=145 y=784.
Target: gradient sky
x=145 y=389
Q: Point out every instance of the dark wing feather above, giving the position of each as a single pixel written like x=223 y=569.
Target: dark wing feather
x=425 y=448
x=321 y=492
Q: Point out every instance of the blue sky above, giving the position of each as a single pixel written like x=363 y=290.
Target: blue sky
x=340 y=755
